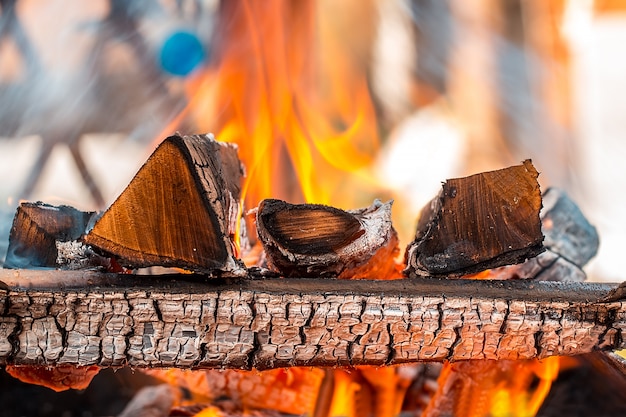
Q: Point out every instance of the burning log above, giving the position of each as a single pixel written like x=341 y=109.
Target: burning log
x=312 y=240
x=169 y=322
x=292 y=391
x=37 y=227
x=181 y=209
x=479 y=222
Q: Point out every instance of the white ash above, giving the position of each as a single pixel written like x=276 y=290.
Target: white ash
x=74 y=255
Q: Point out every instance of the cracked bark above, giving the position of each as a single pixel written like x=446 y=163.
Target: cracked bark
x=87 y=318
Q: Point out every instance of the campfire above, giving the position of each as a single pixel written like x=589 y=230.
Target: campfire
x=265 y=269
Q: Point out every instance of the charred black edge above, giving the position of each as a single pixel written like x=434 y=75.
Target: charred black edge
x=504 y=259
x=95 y=282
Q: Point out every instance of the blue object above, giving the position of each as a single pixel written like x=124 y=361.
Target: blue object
x=181 y=53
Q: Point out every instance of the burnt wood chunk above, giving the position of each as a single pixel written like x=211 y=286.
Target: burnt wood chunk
x=37 y=227
x=567 y=231
x=179 y=210
x=309 y=240
x=479 y=222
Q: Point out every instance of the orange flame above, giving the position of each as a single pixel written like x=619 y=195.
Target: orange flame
x=295 y=112
x=284 y=88
x=493 y=388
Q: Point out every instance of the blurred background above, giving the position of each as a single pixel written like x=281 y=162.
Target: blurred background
x=329 y=102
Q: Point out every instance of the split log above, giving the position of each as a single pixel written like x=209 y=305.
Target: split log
x=37 y=227
x=479 y=222
x=181 y=209
x=313 y=240
x=90 y=318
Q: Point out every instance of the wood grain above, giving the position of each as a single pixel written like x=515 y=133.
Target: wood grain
x=179 y=210
x=87 y=318
x=36 y=229
x=479 y=222
x=312 y=240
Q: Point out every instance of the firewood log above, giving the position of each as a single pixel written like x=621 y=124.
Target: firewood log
x=181 y=209
x=479 y=222
x=37 y=227
x=292 y=391
x=312 y=240
x=88 y=318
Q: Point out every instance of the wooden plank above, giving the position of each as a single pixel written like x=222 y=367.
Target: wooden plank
x=187 y=321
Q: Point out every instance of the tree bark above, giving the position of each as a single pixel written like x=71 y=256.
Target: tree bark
x=87 y=318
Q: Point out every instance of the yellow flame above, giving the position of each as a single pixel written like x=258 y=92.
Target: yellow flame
x=292 y=99
x=344 y=395
x=514 y=396
x=210 y=411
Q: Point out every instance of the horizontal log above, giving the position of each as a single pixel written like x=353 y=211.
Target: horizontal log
x=186 y=321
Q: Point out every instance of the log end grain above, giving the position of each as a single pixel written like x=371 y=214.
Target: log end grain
x=179 y=210
x=37 y=227
x=307 y=240
x=479 y=222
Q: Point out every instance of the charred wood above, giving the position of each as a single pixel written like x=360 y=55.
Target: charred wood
x=37 y=228
x=479 y=222
x=313 y=240
x=570 y=242
x=89 y=318
x=181 y=209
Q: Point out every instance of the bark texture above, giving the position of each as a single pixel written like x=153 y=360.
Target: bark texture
x=167 y=322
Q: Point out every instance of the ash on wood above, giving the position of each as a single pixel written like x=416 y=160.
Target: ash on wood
x=179 y=210
x=37 y=227
x=479 y=222
x=309 y=240
x=169 y=322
